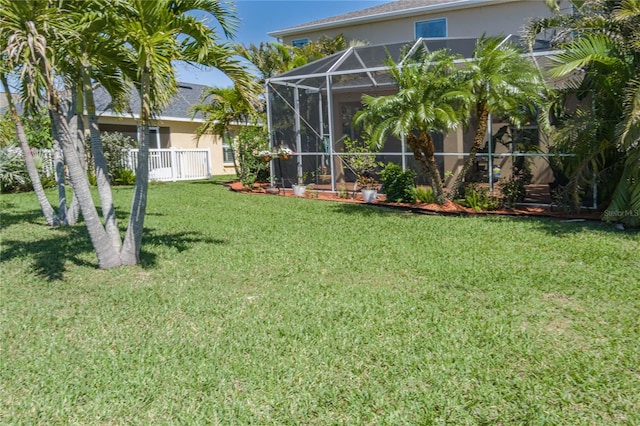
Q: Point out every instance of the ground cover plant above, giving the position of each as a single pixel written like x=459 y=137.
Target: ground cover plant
x=256 y=309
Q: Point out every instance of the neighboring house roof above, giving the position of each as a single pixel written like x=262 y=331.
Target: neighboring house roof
x=385 y=11
x=178 y=109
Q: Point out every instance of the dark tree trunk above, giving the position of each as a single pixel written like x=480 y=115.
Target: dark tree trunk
x=479 y=140
x=423 y=150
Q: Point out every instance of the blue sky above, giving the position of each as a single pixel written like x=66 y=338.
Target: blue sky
x=258 y=17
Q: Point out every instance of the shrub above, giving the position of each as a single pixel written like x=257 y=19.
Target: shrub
x=514 y=190
x=115 y=146
x=124 y=176
x=424 y=195
x=478 y=198
x=250 y=167
x=13 y=173
x=398 y=185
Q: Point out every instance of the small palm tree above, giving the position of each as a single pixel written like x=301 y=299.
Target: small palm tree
x=502 y=82
x=431 y=98
x=222 y=107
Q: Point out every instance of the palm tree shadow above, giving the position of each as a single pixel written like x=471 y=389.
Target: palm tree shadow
x=181 y=241
x=9 y=219
x=49 y=256
x=359 y=209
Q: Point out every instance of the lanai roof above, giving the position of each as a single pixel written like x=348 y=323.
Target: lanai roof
x=365 y=66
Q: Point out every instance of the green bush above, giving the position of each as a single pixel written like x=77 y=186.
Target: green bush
x=13 y=173
x=115 y=146
x=478 y=198
x=123 y=176
x=398 y=185
x=249 y=167
x=514 y=191
x=424 y=195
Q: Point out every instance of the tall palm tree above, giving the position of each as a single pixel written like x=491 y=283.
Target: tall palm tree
x=601 y=42
x=21 y=50
x=431 y=98
x=154 y=34
x=503 y=83
x=159 y=33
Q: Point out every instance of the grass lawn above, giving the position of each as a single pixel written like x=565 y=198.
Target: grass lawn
x=255 y=309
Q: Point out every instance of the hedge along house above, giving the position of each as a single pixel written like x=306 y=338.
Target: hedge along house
x=173 y=135
x=311 y=109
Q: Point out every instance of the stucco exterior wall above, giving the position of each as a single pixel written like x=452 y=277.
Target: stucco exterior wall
x=504 y=18
x=182 y=135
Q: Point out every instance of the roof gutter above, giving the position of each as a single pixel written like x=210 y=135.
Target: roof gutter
x=456 y=5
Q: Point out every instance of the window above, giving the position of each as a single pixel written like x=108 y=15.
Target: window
x=431 y=28
x=227 y=153
x=227 y=148
x=300 y=42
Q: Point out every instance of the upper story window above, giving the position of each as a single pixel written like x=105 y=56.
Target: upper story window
x=431 y=28
x=300 y=42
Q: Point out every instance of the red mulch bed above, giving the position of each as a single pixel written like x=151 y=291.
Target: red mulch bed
x=448 y=208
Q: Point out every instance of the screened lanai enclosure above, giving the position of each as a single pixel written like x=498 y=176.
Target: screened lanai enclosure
x=311 y=109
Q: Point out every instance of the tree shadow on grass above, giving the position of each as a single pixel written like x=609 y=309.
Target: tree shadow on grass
x=8 y=219
x=561 y=227
x=49 y=255
x=365 y=210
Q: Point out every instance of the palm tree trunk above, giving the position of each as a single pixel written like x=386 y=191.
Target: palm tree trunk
x=58 y=166
x=424 y=152
x=479 y=140
x=100 y=163
x=107 y=256
x=47 y=210
x=130 y=254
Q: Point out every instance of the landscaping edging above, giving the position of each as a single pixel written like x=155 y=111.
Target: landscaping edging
x=449 y=208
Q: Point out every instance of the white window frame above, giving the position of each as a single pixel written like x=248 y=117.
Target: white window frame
x=446 y=27
x=227 y=147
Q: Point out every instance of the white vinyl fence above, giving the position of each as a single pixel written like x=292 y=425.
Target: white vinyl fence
x=164 y=164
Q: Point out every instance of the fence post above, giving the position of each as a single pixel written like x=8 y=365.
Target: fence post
x=208 y=152
x=174 y=164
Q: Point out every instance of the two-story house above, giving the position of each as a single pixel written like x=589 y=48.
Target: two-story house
x=311 y=108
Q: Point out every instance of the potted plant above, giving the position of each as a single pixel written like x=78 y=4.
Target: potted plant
x=361 y=160
x=284 y=153
x=368 y=187
x=265 y=155
x=300 y=188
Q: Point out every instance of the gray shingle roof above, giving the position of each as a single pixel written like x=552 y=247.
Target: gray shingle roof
x=188 y=94
x=376 y=11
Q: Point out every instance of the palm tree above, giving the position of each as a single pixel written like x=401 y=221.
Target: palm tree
x=153 y=34
x=601 y=42
x=431 y=98
x=503 y=83
x=21 y=48
x=222 y=107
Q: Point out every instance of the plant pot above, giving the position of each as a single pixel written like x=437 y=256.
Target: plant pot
x=369 y=195
x=299 y=190
x=284 y=156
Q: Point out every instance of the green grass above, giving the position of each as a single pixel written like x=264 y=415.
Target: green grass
x=256 y=309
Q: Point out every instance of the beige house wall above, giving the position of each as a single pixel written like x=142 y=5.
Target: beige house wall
x=504 y=18
x=182 y=135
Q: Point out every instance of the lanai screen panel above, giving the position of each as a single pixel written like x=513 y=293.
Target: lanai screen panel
x=312 y=107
